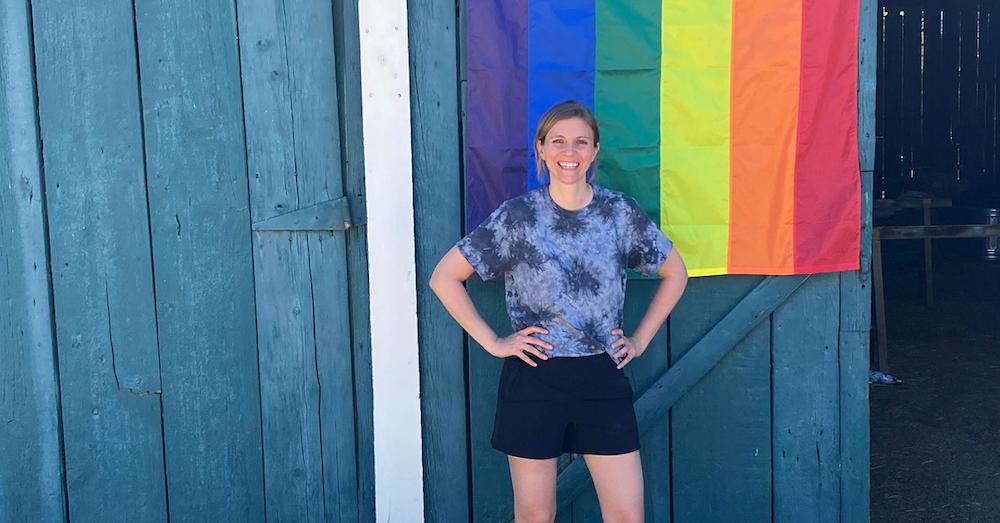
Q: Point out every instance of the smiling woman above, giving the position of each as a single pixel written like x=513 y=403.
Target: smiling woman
x=563 y=250
x=567 y=139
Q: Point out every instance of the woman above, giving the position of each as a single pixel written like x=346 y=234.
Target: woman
x=563 y=250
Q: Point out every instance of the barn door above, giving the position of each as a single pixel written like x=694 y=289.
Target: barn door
x=301 y=223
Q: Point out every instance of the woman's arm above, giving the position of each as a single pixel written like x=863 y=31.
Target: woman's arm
x=447 y=283
x=674 y=279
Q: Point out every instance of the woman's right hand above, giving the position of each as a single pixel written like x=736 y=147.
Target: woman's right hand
x=521 y=344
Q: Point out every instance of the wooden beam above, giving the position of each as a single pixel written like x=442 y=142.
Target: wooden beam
x=385 y=84
x=915 y=232
x=658 y=399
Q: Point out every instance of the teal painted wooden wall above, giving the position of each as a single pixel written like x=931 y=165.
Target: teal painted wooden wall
x=162 y=359
x=777 y=430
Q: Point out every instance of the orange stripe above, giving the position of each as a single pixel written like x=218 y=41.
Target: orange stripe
x=764 y=107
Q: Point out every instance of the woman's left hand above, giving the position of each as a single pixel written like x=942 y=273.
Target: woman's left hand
x=629 y=348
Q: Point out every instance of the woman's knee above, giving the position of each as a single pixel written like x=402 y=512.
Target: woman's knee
x=534 y=513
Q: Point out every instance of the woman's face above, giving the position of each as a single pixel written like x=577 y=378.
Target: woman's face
x=568 y=150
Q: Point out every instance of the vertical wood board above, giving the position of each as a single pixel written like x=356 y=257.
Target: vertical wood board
x=327 y=256
x=643 y=372
x=347 y=50
x=867 y=62
x=910 y=124
x=293 y=155
x=101 y=263
x=491 y=491
x=196 y=164
x=721 y=427
x=891 y=103
x=805 y=403
x=438 y=225
x=31 y=467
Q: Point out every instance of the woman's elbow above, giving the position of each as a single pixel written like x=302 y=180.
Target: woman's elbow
x=437 y=278
x=674 y=268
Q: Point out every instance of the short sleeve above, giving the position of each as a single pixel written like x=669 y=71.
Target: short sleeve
x=646 y=246
x=487 y=247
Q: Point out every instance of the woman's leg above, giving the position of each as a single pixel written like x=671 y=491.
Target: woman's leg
x=534 y=482
x=618 y=480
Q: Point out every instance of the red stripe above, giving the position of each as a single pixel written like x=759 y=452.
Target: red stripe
x=827 y=180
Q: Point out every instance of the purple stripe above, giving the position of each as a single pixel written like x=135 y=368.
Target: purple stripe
x=496 y=104
x=560 y=61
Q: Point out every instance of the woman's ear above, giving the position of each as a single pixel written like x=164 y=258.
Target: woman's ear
x=538 y=149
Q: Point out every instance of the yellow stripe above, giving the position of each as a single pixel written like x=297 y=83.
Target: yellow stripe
x=694 y=131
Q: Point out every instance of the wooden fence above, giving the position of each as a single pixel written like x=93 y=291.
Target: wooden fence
x=937 y=100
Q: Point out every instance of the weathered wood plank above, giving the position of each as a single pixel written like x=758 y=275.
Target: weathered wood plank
x=437 y=199
x=301 y=278
x=661 y=396
x=492 y=498
x=327 y=254
x=911 y=101
x=102 y=276
x=867 y=52
x=855 y=456
x=948 y=147
x=200 y=221
x=347 y=48
x=907 y=232
x=656 y=443
x=721 y=428
x=879 y=126
x=854 y=348
x=971 y=118
x=806 y=415
x=31 y=468
x=891 y=103
x=937 y=127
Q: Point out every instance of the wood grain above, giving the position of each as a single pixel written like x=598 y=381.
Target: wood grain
x=202 y=251
x=31 y=466
x=102 y=272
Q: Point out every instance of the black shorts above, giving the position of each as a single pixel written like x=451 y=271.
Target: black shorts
x=581 y=405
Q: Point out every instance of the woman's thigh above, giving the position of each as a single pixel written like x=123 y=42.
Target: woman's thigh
x=618 y=480
x=534 y=482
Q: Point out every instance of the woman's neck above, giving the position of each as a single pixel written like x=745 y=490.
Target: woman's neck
x=571 y=197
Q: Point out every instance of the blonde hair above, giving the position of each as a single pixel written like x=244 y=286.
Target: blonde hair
x=557 y=113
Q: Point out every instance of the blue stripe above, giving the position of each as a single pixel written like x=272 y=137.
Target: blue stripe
x=561 y=59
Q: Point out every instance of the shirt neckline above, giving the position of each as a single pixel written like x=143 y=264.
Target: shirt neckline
x=586 y=208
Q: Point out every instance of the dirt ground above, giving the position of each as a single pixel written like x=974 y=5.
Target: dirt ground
x=935 y=438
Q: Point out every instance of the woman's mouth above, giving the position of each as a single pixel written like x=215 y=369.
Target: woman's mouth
x=569 y=165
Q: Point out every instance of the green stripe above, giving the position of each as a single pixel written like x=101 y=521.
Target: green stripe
x=627 y=88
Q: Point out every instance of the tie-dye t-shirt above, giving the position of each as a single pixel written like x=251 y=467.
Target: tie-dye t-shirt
x=565 y=270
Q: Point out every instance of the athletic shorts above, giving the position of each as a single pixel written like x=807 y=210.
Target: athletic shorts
x=581 y=405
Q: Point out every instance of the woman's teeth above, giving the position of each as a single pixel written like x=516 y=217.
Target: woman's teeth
x=569 y=165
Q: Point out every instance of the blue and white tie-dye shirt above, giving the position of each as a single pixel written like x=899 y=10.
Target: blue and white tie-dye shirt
x=565 y=270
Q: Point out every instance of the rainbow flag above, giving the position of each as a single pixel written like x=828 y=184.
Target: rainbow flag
x=733 y=123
